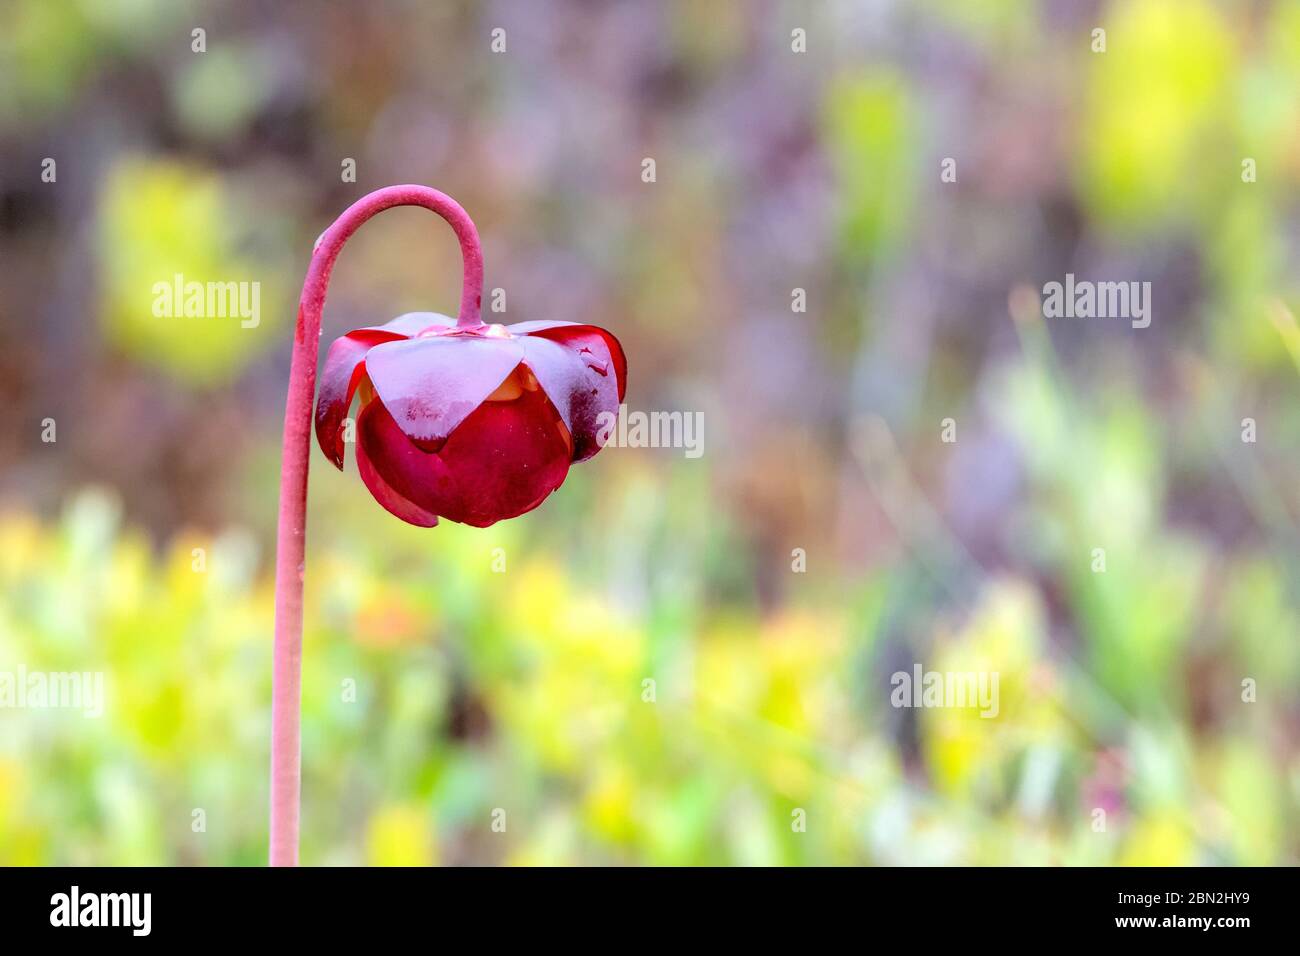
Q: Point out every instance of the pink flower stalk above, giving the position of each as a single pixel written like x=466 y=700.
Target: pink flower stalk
x=463 y=420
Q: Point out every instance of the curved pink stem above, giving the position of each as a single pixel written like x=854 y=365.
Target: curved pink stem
x=290 y=538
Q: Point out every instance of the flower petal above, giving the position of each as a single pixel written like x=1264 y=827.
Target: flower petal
x=408 y=511
x=579 y=385
x=503 y=460
x=413 y=323
x=601 y=343
x=430 y=385
x=344 y=366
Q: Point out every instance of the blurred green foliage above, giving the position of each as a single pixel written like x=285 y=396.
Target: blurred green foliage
x=163 y=220
x=50 y=48
x=869 y=130
x=438 y=692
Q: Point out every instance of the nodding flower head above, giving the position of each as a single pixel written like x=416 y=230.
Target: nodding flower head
x=474 y=424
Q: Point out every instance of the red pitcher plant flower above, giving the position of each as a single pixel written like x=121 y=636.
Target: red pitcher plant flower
x=472 y=423
x=458 y=419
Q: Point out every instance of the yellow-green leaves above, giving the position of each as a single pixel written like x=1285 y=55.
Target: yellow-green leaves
x=1157 y=102
x=183 y=288
x=869 y=132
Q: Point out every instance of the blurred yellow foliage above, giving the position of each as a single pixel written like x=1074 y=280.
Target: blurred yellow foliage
x=760 y=740
x=1157 y=104
x=399 y=835
x=160 y=220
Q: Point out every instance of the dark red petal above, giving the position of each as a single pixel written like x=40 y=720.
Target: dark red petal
x=581 y=386
x=408 y=470
x=344 y=366
x=413 y=323
x=502 y=461
x=601 y=343
x=408 y=511
x=431 y=385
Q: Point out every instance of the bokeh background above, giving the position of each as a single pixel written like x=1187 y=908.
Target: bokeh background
x=775 y=170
